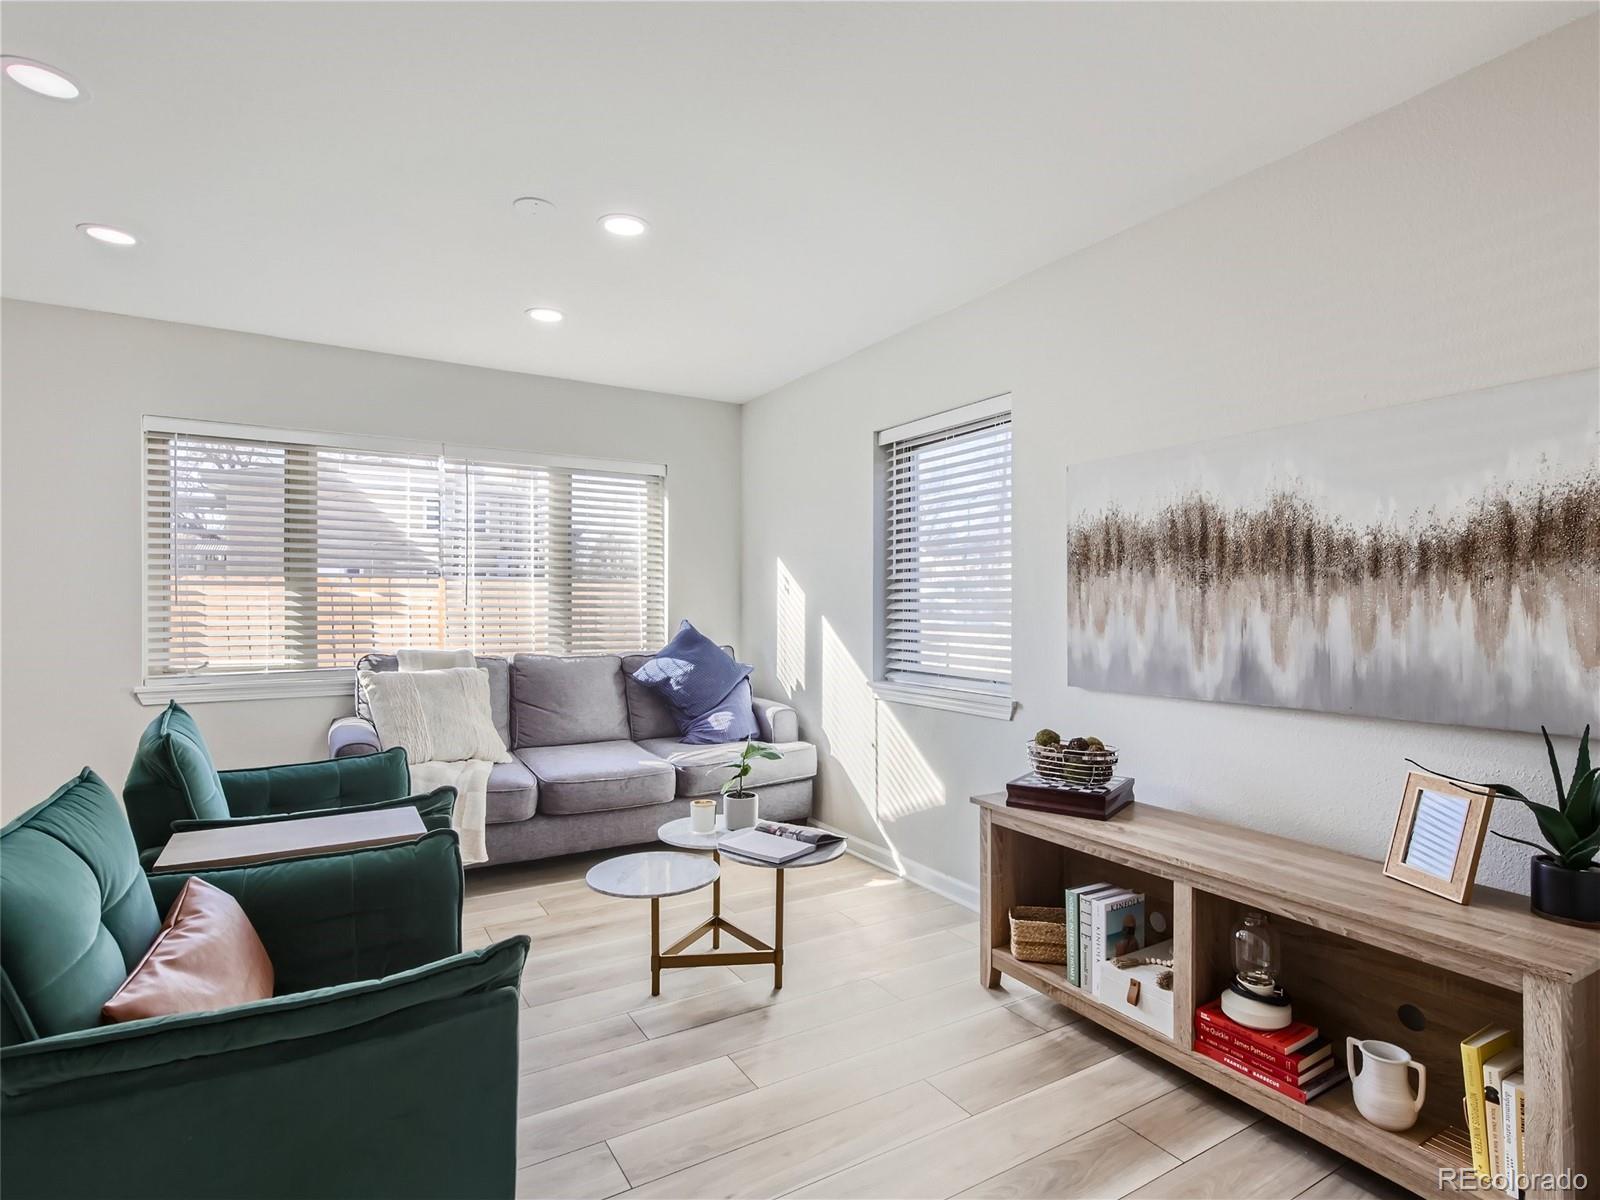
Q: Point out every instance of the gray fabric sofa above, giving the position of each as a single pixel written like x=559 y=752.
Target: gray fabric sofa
x=597 y=760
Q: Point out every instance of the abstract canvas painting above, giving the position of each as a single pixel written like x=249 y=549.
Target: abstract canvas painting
x=1436 y=561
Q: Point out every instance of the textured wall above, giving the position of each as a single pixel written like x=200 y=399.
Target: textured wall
x=77 y=383
x=1445 y=245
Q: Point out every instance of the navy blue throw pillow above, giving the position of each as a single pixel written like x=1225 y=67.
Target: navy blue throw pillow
x=693 y=674
x=731 y=721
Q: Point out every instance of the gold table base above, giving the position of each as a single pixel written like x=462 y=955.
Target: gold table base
x=759 y=954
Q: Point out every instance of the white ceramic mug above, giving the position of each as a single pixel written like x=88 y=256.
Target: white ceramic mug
x=740 y=811
x=1382 y=1090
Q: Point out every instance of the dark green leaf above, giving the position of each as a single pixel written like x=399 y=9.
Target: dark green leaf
x=1555 y=768
x=1582 y=767
x=769 y=754
x=1482 y=787
x=1557 y=830
x=1582 y=854
x=1582 y=809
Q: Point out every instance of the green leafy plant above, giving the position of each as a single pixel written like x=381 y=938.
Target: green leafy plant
x=1571 y=826
x=742 y=765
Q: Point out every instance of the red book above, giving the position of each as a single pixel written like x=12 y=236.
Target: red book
x=1282 y=1042
x=1298 y=1074
x=1298 y=1063
x=1238 y=1065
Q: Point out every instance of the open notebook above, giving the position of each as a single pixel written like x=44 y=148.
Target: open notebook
x=775 y=842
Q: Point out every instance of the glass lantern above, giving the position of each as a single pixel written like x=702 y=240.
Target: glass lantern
x=1256 y=954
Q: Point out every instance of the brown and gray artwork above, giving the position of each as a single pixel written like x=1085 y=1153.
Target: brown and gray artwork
x=1434 y=562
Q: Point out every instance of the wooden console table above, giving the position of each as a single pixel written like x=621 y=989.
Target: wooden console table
x=1357 y=948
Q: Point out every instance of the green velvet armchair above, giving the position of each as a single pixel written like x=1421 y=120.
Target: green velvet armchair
x=386 y=1065
x=173 y=785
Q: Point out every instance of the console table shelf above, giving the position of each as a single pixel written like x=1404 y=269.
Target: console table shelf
x=1357 y=946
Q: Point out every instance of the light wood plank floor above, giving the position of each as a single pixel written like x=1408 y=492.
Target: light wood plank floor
x=882 y=1069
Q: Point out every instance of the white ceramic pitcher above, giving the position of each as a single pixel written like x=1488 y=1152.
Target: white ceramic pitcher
x=1382 y=1091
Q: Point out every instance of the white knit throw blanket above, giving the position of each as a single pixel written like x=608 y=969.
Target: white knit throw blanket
x=443 y=719
x=470 y=778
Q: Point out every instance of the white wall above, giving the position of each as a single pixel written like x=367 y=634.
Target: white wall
x=1441 y=246
x=74 y=388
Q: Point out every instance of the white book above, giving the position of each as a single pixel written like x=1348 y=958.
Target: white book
x=1085 y=921
x=1511 y=1101
x=766 y=847
x=1097 y=932
x=1495 y=1072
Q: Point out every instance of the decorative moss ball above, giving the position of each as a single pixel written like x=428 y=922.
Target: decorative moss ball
x=1094 y=743
x=1078 y=743
x=1047 y=737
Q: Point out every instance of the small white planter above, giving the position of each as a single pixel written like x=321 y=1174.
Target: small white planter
x=740 y=811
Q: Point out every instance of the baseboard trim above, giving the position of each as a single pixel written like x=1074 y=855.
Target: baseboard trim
x=948 y=886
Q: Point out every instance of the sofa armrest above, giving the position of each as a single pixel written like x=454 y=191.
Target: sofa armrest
x=350 y=737
x=776 y=721
x=108 y=1050
x=352 y=915
x=435 y=808
x=328 y=783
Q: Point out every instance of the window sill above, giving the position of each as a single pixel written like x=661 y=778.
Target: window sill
x=286 y=685
x=973 y=704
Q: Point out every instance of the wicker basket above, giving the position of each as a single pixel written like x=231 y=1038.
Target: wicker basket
x=1039 y=934
x=1073 y=768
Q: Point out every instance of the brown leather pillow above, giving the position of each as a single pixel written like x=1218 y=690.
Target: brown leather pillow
x=206 y=956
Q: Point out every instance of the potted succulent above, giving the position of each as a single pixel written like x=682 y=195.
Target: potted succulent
x=739 y=805
x=1565 y=882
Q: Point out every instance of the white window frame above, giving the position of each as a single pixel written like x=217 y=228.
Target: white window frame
x=329 y=681
x=973 y=698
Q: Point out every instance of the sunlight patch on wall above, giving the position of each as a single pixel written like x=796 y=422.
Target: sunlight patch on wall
x=849 y=715
x=906 y=783
x=791 y=631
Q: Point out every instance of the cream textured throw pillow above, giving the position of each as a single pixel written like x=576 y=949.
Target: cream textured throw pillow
x=435 y=715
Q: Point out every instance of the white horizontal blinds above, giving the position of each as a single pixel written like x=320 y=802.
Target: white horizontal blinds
x=216 y=585
x=947 y=596
x=265 y=554
x=613 y=558
x=375 y=577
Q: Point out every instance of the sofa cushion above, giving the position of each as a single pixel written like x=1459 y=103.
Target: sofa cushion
x=76 y=913
x=564 y=701
x=650 y=714
x=692 y=673
x=513 y=794
x=207 y=956
x=499 y=687
x=172 y=779
x=597 y=776
x=702 y=770
x=733 y=719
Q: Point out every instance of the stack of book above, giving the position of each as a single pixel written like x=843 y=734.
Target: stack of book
x=1103 y=922
x=1295 y=1061
x=1491 y=1070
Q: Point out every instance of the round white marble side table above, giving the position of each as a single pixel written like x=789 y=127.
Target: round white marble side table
x=652 y=875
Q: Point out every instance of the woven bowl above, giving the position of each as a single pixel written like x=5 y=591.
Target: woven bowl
x=1039 y=934
x=1073 y=768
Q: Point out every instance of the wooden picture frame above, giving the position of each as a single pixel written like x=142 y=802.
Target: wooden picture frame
x=1442 y=855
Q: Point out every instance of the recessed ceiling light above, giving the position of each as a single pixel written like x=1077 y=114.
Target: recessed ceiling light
x=547 y=316
x=108 y=235
x=37 y=77
x=623 y=225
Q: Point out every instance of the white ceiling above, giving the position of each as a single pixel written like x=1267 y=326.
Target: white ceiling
x=818 y=176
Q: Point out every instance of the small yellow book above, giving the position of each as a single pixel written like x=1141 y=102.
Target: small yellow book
x=1475 y=1051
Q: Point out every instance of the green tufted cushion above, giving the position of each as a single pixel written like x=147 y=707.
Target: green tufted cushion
x=76 y=913
x=172 y=779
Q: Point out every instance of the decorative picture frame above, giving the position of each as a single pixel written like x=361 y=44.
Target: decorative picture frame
x=1438 y=836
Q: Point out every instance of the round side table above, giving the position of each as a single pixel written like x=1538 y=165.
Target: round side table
x=652 y=875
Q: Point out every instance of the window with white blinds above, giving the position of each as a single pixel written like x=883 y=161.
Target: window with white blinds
x=273 y=553
x=946 y=620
